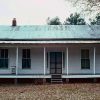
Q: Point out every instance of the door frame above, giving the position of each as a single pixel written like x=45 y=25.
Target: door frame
x=55 y=58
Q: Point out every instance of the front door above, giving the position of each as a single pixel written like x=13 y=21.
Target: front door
x=56 y=62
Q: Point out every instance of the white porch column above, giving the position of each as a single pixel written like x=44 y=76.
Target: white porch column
x=17 y=61
x=44 y=61
x=94 y=61
x=67 y=59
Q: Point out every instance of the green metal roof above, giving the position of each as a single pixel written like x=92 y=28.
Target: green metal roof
x=49 y=32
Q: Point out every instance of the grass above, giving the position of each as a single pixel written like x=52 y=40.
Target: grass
x=77 y=91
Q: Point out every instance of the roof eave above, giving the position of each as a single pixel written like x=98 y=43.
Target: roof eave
x=54 y=39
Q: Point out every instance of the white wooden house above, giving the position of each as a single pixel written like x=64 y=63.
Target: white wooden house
x=38 y=51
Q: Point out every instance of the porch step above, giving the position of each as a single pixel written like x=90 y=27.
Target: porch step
x=56 y=79
x=56 y=76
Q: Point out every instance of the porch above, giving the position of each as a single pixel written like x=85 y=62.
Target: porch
x=40 y=61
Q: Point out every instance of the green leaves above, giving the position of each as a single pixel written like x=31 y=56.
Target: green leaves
x=75 y=19
x=96 y=21
x=54 y=21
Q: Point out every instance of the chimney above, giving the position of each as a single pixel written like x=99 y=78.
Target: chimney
x=14 y=23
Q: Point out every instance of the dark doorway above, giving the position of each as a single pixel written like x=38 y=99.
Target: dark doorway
x=55 y=62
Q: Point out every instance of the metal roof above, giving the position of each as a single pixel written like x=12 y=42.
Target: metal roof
x=50 y=32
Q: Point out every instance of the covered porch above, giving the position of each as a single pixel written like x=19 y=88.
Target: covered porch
x=40 y=61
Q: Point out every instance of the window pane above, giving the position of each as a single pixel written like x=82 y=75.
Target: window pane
x=82 y=53
x=82 y=63
x=6 y=53
x=2 y=53
x=6 y=63
x=4 y=58
x=87 y=63
x=28 y=63
x=24 y=53
x=3 y=63
x=23 y=63
x=28 y=53
x=87 y=54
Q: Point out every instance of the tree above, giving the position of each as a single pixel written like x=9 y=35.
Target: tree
x=88 y=8
x=74 y=19
x=96 y=21
x=54 y=21
x=88 y=2
x=89 y=5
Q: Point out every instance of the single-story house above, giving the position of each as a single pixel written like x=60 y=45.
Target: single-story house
x=50 y=51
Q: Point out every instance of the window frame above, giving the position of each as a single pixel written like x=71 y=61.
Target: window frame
x=4 y=58
x=85 y=61
x=27 y=59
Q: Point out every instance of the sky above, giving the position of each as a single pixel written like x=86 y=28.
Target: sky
x=33 y=12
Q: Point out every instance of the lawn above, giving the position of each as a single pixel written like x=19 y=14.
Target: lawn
x=77 y=91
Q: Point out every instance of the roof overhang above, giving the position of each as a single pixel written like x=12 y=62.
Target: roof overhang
x=50 y=42
x=53 y=39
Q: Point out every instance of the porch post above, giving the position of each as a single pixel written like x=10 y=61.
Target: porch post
x=17 y=61
x=94 y=61
x=44 y=60
x=67 y=59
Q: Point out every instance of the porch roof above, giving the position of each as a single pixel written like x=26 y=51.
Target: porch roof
x=49 y=32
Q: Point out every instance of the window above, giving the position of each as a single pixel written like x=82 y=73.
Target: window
x=26 y=61
x=3 y=58
x=85 y=61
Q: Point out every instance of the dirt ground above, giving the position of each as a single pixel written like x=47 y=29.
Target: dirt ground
x=77 y=91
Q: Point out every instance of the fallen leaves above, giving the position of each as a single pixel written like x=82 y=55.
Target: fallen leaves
x=77 y=91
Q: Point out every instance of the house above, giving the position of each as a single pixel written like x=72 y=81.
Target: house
x=50 y=52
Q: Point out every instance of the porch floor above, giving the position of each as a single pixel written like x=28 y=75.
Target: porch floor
x=24 y=76
x=48 y=76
